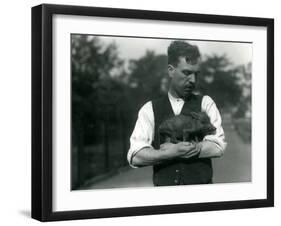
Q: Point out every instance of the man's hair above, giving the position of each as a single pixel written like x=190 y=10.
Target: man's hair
x=182 y=49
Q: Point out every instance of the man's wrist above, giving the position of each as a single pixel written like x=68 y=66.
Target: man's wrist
x=198 y=147
x=169 y=150
x=210 y=150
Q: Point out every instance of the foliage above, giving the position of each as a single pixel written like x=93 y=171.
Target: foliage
x=94 y=92
x=97 y=103
x=146 y=75
x=218 y=79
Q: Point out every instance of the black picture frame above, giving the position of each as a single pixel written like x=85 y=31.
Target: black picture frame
x=42 y=108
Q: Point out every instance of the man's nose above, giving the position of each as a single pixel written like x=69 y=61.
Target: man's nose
x=192 y=78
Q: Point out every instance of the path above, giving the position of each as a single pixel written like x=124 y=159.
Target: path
x=234 y=166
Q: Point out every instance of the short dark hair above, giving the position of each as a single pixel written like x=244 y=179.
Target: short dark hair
x=182 y=49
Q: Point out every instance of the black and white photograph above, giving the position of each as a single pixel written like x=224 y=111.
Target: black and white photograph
x=139 y=112
x=149 y=112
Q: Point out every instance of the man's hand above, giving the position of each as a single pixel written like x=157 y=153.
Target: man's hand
x=195 y=151
x=181 y=149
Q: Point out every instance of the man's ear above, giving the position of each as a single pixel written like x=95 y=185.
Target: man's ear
x=171 y=70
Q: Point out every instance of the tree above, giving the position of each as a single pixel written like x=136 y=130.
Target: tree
x=93 y=65
x=146 y=75
x=244 y=73
x=218 y=79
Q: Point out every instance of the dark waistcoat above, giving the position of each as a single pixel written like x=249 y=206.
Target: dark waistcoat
x=179 y=171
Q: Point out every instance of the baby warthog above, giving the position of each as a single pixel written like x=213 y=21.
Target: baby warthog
x=191 y=127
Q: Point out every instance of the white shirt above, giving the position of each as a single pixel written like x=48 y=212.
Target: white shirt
x=143 y=133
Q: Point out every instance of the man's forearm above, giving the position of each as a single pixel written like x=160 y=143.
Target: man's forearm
x=149 y=156
x=209 y=149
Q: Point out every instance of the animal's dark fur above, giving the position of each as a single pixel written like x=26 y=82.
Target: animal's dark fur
x=191 y=127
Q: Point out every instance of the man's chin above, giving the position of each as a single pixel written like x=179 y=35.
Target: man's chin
x=187 y=92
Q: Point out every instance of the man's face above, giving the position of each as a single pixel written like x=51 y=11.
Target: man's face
x=183 y=77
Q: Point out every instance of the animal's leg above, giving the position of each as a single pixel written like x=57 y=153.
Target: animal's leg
x=185 y=134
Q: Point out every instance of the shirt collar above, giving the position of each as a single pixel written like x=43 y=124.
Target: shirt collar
x=174 y=99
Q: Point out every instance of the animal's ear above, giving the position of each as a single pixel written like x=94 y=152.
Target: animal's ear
x=204 y=118
x=166 y=125
x=194 y=115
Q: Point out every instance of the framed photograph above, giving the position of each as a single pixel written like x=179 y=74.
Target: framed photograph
x=140 y=112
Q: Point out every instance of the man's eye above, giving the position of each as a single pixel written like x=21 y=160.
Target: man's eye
x=188 y=72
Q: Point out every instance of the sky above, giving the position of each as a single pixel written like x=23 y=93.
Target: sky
x=134 y=48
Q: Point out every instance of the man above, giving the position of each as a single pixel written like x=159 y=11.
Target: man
x=183 y=162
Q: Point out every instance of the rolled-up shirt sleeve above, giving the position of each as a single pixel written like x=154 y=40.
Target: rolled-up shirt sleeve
x=209 y=107
x=143 y=132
